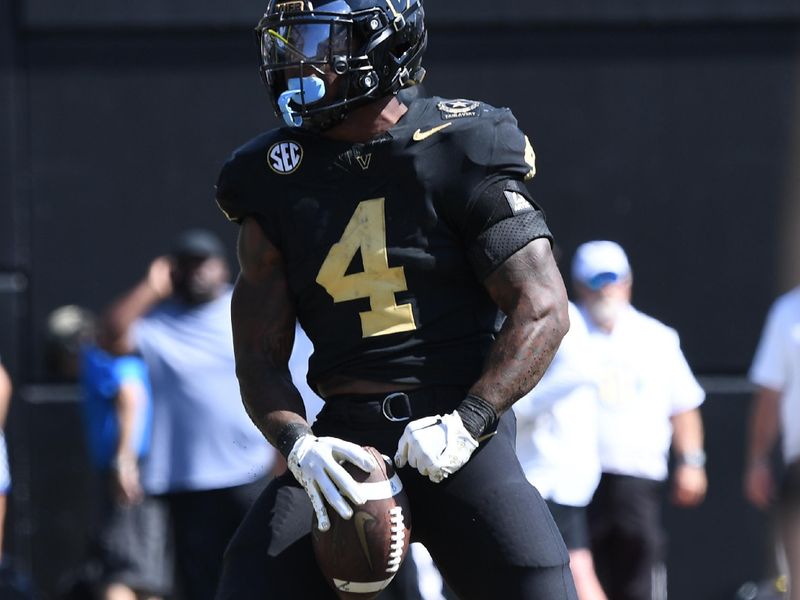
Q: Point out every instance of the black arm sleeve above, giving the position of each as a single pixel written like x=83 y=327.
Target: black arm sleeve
x=501 y=218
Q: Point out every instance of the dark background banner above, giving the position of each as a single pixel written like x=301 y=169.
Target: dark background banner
x=194 y=13
x=677 y=142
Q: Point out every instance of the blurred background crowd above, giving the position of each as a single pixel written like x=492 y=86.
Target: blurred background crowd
x=671 y=128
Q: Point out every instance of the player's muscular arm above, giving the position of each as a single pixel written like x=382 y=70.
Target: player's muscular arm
x=263 y=334
x=263 y=321
x=528 y=288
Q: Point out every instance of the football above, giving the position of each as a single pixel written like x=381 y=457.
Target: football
x=360 y=556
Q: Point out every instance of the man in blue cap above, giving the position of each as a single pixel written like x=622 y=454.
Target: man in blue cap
x=649 y=400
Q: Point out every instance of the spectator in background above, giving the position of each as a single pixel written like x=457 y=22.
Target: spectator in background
x=648 y=398
x=14 y=585
x=207 y=461
x=776 y=410
x=558 y=447
x=5 y=473
x=129 y=555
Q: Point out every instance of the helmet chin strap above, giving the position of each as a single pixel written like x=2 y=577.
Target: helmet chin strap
x=303 y=90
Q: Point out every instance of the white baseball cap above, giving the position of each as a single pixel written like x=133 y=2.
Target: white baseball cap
x=599 y=263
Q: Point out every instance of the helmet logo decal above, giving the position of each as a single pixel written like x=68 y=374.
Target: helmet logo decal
x=285 y=157
x=294 y=6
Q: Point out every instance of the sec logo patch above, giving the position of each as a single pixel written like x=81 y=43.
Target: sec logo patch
x=285 y=157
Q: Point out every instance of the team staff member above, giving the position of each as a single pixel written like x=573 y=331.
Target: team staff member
x=558 y=447
x=776 y=410
x=393 y=233
x=649 y=399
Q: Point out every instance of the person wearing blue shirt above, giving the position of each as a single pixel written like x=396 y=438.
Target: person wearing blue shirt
x=129 y=546
x=103 y=376
x=117 y=412
x=207 y=460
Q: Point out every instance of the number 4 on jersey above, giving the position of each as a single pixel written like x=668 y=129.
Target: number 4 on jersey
x=366 y=231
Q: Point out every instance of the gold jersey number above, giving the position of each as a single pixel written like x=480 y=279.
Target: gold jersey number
x=366 y=231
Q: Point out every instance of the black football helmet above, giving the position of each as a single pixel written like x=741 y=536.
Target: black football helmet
x=319 y=61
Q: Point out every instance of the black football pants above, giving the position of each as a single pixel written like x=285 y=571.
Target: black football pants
x=486 y=527
x=626 y=537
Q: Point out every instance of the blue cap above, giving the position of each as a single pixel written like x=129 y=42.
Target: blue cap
x=599 y=263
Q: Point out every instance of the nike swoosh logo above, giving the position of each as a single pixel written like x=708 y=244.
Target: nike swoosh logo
x=361 y=519
x=422 y=135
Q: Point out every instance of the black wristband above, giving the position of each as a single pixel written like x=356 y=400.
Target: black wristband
x=287 y=437
x=479 y=416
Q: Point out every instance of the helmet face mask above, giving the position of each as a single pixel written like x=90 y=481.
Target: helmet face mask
x=354 y=50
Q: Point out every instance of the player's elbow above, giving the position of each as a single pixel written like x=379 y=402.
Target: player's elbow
x=552 y=312
x=561 y=319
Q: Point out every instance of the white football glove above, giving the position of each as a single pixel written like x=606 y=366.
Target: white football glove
x=435 y=446
x=316 y=464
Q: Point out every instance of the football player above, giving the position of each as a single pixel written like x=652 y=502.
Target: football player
x=395 y=234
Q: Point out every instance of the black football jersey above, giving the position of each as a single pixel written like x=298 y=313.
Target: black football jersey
x=376 y=236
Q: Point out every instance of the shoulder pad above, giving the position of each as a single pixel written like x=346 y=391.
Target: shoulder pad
x=248 y=171
x=488 y=137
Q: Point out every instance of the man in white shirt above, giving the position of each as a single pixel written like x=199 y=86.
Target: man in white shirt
x=776 y=410
x=649 y=400
x=557 y=447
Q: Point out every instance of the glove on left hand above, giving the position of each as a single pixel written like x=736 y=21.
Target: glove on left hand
x=436 y=446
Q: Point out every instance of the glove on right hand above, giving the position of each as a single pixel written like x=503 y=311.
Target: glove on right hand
x=316 y=464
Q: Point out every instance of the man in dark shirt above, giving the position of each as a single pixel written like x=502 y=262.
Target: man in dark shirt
x=394 y=234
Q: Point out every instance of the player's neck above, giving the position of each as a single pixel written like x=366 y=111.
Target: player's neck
x=369 y=121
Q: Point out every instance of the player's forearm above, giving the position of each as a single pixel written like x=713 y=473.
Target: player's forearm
x=529 y=290
x=764 y=425
x=270 y=398
x=520 y=356
x=263 y=320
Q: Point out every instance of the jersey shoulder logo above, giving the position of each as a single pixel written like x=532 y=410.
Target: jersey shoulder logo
x=420 y=135
x=284 y=157
x=517 y=202
x=457 y=109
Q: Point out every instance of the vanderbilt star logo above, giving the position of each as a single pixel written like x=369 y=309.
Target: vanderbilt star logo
x=361 y=518
x=423 y=135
